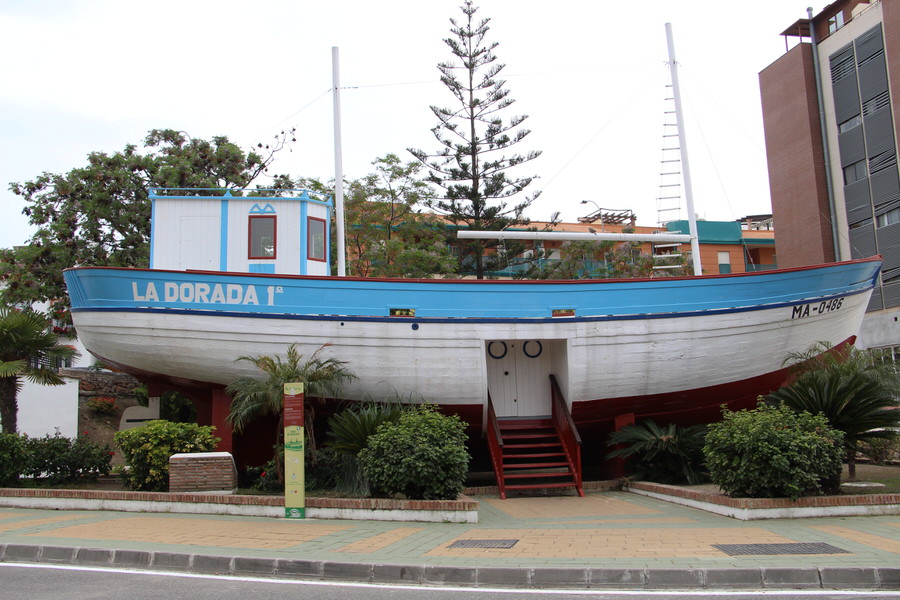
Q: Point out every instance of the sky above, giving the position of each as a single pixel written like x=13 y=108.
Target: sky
x=95 y=75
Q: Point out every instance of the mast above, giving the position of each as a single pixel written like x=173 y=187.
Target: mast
x=338 y=166
x=688 y=190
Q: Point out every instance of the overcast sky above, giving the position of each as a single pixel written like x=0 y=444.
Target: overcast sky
x=95 y=75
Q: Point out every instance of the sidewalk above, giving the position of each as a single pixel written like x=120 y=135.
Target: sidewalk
x=604 y=540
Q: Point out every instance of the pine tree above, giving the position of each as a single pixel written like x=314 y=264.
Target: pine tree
x=470 y=168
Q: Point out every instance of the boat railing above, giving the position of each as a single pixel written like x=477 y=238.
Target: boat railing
x=568 y=433
x=495 y=445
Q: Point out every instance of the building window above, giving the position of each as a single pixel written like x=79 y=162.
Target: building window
x=888 y=218
x=316 y=239
x=849 y=124
x=854 y=172
x=836 y=22
x=262 y=237
x=724 y=262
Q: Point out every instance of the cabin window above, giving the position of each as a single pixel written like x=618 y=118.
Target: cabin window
x=262 y=237
x=403 y=312
x=316 y=239
x=563 y=312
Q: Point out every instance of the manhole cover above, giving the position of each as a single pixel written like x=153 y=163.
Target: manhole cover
x=502 y=544
x=771 y=549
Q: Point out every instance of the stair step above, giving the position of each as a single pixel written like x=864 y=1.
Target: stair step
x=538 y=445
x=537 y=486
x=535 y=455
x=530 y=436
x=545 y=465
x=537 y=475
x=525 y=424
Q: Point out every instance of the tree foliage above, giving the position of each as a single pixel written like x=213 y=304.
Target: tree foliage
x=29 y=350
x=99 y=214
x=855 y=389
x=387 y=233
x=585 y=259
x=469 y=167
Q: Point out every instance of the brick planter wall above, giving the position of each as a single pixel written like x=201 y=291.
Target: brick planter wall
x=202 y=472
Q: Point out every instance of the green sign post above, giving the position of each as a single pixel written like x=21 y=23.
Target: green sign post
x=294 y=479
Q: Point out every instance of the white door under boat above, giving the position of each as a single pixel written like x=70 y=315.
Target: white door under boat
x=519 y=377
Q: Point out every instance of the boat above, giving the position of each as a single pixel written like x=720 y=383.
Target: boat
x=669 y=348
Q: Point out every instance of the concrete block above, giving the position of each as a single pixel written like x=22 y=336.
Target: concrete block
x=503 y=576
x=171 y=561
x=93 y=556
x=20 y=552
x=214 y=565
x=347 y=571
x=301 y=569
x=132 y=559
x=855 y=578
x=889 y=578
x=253 y=566
x=749 y=578
x=617 y=578
x=675 y=578
x=58 y=554
x=450 y=575
x=791 y=577
x=551 y=577
x=397 y=574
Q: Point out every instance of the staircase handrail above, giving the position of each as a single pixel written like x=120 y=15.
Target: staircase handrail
x=568 y=433
x=495 y=446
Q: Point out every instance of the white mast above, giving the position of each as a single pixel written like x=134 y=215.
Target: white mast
x=688 y=190
x=338 y=166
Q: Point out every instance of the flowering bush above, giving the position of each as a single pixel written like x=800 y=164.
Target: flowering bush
x=102 y=405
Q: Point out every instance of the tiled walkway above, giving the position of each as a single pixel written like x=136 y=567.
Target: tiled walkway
x=610 y=530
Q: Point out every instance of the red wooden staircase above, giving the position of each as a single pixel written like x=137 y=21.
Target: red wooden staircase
x=535 y=453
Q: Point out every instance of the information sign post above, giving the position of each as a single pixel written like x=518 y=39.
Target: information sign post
x=294 y=479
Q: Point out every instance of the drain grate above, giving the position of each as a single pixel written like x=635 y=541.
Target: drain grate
x=501 y=544
x=773 y=549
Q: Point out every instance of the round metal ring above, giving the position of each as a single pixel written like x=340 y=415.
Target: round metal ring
x=497 y=356
x=540 y=348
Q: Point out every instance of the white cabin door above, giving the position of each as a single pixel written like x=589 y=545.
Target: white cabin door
x=519 y=377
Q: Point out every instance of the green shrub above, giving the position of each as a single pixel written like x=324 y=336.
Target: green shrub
x=422 y=455
x=11 y=458
x=59 y=459
x=348 y=433
x=667 y=454
x=146 y=450
x=773 y=451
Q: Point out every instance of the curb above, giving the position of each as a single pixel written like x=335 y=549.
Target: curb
x=777 y=578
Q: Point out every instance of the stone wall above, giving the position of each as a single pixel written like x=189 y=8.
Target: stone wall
x=92 y=384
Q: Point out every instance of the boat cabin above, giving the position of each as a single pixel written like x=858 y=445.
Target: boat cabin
x=277 y=231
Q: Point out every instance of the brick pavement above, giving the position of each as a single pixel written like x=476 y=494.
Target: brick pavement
x=602 y=539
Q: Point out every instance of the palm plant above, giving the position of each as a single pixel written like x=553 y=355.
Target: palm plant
x=856 y=390
x=667 y=454
x=28 y=349
x=254 y=397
